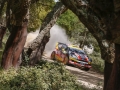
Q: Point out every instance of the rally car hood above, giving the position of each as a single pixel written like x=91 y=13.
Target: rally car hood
x=81 y=57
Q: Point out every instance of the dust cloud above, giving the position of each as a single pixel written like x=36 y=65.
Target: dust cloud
x=57 y=34
x=30 y=37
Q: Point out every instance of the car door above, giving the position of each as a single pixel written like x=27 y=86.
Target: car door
x=58 y=51
x=64 y=51
x=61 y=51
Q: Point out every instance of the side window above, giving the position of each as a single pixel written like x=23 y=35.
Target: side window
x=62 y=47
x=65 y=47
x=59 y=46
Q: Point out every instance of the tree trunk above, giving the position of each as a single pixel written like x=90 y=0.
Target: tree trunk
x=14 y=46
x=107 y=73
x=18 y=21
x=39 y=43
x=114 y=80
x=107 y=54
x=38 y=52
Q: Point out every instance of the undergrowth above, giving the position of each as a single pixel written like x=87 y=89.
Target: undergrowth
x=97 y=62
x=48 y=76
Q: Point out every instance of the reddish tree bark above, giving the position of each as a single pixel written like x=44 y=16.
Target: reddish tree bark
x=17 y=21
x=14 y=46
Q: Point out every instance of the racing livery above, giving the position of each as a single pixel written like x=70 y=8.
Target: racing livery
x=69 y=54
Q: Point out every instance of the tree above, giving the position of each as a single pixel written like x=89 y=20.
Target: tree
x=2 y=3
x=39 y=43
x=2 y=23
x=18 y=19
x=69 y=22
x=37 y=13
x=18 y=27
x=97 y=17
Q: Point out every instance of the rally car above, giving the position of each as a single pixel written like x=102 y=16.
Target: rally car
x=69 y=54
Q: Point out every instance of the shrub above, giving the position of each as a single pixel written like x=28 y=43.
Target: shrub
x=97 y=62
x=48 y=76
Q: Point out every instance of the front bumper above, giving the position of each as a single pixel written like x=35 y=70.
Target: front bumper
x=80 y=64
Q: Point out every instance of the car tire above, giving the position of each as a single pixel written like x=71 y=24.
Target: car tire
x=86 y=69
x=53 y=55
x=66 y=60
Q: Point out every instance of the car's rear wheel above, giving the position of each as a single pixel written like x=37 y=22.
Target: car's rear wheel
x=66 y=60
x=86 y=69
x=53 y=55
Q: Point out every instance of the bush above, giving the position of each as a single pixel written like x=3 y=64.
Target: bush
x=97 y=62
x=49 y=76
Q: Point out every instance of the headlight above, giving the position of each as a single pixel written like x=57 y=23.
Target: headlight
x=74 y=56
x=89 y=62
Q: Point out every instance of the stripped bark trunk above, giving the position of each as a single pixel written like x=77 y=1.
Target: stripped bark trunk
x=14 y=46
x=39 y=43
x=17 y=38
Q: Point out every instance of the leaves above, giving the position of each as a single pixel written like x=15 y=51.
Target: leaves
x=49 y=76
x=38 y=11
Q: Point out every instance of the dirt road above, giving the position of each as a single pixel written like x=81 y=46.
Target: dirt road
x=89 y=78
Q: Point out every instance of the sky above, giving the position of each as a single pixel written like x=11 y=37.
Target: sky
x=56 y=0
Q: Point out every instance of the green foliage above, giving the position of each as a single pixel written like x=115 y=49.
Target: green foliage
x=97 y=49
x=97 y=62
x=4 y=9
x=3 y=44
x=70 y=22
x=38 y=11
x=25 y=61
x=75 y=29
x=49 y=76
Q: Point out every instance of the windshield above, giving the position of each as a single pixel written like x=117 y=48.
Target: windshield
x=76 y=51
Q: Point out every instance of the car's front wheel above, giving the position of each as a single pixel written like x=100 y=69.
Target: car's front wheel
x=53 y=55
x=86 y=69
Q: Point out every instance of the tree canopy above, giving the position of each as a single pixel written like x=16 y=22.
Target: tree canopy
x=38 y=11
x=70 y=22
